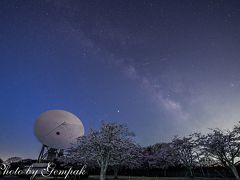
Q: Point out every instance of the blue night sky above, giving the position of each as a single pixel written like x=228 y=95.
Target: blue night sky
x=161 y=67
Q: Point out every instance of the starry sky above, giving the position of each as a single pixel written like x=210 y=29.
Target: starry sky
x=161 y=67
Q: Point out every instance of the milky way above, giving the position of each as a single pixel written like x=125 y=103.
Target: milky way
x=161 y=67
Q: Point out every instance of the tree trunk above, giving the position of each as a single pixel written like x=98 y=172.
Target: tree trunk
x=190 y=172
x=116 y=169
x=103 y=173
x=235 y=172
x=165 y=172
x=203 y=174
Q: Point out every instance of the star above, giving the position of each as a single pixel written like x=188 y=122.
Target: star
x=232 y=85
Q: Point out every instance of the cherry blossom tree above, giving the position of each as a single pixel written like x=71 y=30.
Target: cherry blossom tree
x=223 y=146
x=130 y=156
x=185 y=150
x=111 y=145
x=166 y=157
x=161 y=155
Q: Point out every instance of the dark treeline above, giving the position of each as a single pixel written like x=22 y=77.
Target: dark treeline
x=208 y=172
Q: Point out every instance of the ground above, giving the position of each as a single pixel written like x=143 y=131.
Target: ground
x=122 y=178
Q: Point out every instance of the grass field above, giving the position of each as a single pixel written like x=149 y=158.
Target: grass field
x=149 y=178
x=158 y=178
x=121 y=178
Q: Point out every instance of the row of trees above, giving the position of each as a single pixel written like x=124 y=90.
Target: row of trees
x=113 y=146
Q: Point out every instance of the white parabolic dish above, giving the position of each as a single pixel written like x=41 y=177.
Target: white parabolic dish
x=58 y=129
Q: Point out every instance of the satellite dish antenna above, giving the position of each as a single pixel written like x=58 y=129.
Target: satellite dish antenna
x=57 y=130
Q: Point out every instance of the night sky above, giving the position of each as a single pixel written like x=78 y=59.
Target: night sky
x=162 y=67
